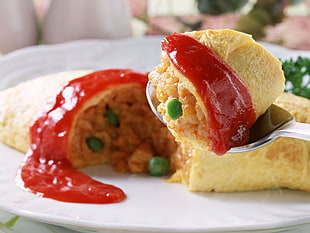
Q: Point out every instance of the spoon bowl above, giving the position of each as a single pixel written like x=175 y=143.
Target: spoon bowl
x=153 y=101
x=274 y=123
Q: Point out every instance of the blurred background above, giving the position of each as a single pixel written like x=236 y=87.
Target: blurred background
x=31 y=22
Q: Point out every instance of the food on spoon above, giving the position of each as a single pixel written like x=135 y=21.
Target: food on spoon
x=222 y=79
x=77 y=119
x=283 y=163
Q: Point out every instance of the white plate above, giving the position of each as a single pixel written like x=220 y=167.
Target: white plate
x=152 y=204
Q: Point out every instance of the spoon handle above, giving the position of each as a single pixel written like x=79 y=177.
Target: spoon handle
x=295 y=130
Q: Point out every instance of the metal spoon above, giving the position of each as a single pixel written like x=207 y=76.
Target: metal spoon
x=275 y=123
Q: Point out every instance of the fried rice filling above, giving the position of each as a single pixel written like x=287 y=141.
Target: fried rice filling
x=122 y=130
x=169 y=85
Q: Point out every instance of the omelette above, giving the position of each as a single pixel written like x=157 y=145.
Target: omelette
x=284 y=163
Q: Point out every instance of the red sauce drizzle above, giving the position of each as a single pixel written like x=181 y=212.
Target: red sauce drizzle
x=46 y=170
x=226 y=98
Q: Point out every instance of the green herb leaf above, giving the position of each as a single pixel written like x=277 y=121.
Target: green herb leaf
x=11 y=222
x=297 y=74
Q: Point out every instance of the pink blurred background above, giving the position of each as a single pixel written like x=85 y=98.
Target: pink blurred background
x=135 y=18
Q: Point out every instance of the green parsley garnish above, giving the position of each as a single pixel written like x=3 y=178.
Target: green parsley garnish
x=297 y=74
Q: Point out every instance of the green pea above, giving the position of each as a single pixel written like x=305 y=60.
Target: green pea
x=94 y=143
x=158 y=166
x=112 y=117
x=174 y=109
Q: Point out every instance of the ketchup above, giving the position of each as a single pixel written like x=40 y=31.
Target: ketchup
x=46 y=170
x=225 y=96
